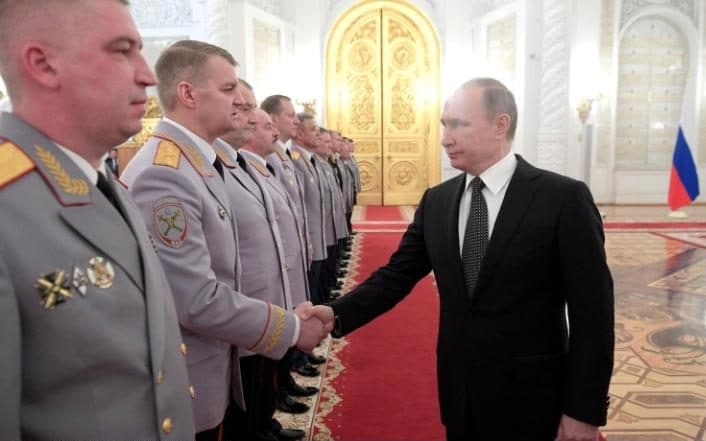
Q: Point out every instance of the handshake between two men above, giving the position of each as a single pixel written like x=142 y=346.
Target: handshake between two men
x=316 y=322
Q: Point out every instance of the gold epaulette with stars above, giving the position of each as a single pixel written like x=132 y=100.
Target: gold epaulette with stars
x=259 y=167
x=167 y=154
x=276 y=319
x=14 y=163
x=173 y=151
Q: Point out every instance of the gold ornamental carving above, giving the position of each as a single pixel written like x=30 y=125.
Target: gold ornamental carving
x=402 y=174
x=403 y=147
x=362 y=56
x=404 y=55
x=365 y=147
x=403 y=105
x=368 y=176
x=153 y=114
x=383 y=81
x=362 y=103
x=397 y=30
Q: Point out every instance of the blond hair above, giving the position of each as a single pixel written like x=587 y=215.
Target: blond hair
x=184 y=61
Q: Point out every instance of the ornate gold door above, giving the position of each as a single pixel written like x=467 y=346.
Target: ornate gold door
x=383 y=91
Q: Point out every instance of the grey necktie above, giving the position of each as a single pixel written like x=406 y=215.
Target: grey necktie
x=475 y=239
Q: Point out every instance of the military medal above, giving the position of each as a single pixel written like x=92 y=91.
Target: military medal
x=80 y=281
x=54 y=288
x=100 y=272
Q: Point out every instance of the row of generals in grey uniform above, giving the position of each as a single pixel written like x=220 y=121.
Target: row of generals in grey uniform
x=172 y=303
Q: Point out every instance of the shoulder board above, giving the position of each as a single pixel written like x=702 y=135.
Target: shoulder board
x=14 y=163
x=225 y=159
x=259 y=167
x=189 y=151
x=296 y=155
x=282 y=155
x=167 y=154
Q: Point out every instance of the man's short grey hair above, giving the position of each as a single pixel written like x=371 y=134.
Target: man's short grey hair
x=497 y=99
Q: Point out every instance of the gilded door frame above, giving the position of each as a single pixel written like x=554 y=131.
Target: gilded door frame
x=427 y=28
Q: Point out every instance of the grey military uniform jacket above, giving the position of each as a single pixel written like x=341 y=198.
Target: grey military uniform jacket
x=286 y=173
x=187 y=209
x=290 y=227
x=90 y=337
x=264 y=275
x=313 y=192
x=349 y=184
x=336 y=217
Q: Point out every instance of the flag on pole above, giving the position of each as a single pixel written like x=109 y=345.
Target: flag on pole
x=683 y=180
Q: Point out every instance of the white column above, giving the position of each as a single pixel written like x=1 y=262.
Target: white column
x=554 y=107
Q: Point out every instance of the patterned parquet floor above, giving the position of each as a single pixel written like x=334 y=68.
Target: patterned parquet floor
x=658 y=390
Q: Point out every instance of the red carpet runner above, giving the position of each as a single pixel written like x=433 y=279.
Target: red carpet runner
x=387 y=386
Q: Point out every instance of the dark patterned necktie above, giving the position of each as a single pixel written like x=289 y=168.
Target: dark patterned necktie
x=108 y=192
x=475 y=239
x=219 y=167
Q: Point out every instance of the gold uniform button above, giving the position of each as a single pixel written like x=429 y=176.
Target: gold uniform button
x=183 y=348
x=192 y=392
x=160 y=377
x=167 y=425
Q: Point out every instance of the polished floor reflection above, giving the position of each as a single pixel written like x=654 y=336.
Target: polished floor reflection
x=658 y=390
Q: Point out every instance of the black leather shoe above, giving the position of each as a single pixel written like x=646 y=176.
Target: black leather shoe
x=290 y=405
x=308 y=370
x=315 y=359
x=286 y=434
x=290 y=434
x=297 y=390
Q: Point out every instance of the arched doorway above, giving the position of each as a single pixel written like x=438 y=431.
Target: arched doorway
x=382 y=89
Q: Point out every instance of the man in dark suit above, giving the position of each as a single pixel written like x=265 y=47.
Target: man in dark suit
x=513 y=248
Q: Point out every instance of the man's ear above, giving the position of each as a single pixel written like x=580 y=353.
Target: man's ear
x=502 y=125
x=38 y=62
x=185 y=94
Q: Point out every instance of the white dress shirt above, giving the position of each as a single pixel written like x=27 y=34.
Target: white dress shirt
x=496 y=179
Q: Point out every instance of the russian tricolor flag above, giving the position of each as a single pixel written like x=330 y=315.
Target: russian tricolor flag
x=683 y=181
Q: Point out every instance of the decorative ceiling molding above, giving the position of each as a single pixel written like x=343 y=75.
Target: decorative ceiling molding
x=274 y=7
x=162 y=13
x=480 y=8
x=633 y=7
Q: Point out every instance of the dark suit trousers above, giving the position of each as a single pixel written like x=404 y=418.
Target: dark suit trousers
x=315 y=282
x=258 y=375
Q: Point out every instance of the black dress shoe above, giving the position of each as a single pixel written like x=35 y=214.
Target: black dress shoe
x=308 y=370
x=290 y=405
x=315 y=359
x=290 y=434
x=297 y=390
x=286 y=434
